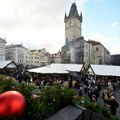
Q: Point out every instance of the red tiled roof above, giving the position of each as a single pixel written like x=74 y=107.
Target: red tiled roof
x=94 y=42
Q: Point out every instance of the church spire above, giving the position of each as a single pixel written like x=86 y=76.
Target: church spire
x=65 y=17
x=73 y=13
x=73 y=10
x=81 y=18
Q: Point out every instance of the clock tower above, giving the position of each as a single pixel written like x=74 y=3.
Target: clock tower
x=73 y=21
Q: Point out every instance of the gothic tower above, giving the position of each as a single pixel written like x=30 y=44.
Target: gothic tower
x=73 y=21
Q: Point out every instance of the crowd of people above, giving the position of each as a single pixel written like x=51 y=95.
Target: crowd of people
x=86 y=85
x=94 y=90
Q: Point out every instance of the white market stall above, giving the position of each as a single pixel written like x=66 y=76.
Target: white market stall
x=7 y=66
x=49 y=70
x=58 y=71
x=70 y=67
x=104 y=72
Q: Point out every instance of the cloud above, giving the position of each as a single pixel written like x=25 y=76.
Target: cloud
x=35 y=23
x=115 y=24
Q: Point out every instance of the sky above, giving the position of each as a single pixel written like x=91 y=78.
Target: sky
x=40 y=24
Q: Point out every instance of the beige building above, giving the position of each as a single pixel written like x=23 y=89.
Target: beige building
x=100 y=55
x=56 y=58
x=43 y=57
x=36 y=58
x=32 y=58
x=2 y=49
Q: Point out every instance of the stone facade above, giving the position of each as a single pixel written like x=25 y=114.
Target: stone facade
x=56 y=58
x=73 y=24
x=15 y=53
x=100 y=54
x=77 y=49
x=2 y=49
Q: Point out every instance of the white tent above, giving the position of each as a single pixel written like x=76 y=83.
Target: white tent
x=7 y=64
x=49 y=70
x=104 y=70
x=69 y=67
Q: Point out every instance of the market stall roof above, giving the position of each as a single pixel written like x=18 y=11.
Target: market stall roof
x=104 y=70
x=7 y=64
x=48 y=70
x=69 y=67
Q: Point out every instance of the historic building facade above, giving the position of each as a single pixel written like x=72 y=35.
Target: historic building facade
x=77 y=49
x=36 y=58
x=73 y=21
x=32 y=58
x=27 y=57
x=100 y=55
x=56 y=58
x=2 y=49
x=15 y=53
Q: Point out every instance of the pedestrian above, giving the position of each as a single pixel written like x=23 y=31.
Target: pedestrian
x=98 y=84
x=85 y=89
x=81 y=91
x=90 y=93
x=96 y=92
x=105 y=97
x=113 y=105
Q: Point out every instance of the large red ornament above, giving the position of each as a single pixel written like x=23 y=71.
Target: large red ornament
x=12 y=103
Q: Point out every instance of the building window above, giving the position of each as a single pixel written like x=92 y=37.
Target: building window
x=97 y=48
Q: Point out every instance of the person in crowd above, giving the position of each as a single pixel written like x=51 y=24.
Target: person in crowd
x=98 y=85
x=70 y=83
x=94 y=98
x=20 y=77
x=81 y=91
x=105 y=97
x=110 y=85
x=90 y=93
x=92 y=82
x=85 y=89
x=114 y=83
x=113 y=105
x=96 y=92
x=86 y=82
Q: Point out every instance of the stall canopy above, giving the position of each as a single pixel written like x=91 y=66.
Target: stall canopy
x=7 y=64
x=49 y=70
x=104 y=70
x=58 y=68
x=70 y=67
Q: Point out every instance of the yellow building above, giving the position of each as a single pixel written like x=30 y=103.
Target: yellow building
x=32 y=58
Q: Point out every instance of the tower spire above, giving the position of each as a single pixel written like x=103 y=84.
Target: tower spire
x=65 y=16
x=73 y=10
